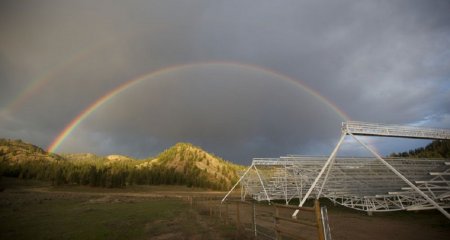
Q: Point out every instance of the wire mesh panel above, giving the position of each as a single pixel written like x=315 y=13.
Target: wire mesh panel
x=359 y=183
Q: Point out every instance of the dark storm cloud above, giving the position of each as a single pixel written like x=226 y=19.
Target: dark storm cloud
x=379 y=61
x=383 y=54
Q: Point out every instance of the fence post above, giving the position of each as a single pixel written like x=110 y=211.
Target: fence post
x=220 y=212
x=238 y=220
x=319 y=220
x=210 y=207
x=277 y=231
x=254 y=219
x=226 y=212
x=326 y=225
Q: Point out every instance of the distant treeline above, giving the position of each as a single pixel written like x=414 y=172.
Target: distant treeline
x=436 y=149
x=98 y=174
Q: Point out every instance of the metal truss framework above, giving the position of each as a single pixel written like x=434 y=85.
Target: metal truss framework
x=375 y=129
x=372 y=184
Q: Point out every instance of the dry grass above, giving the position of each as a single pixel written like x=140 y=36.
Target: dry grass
x=34 y=210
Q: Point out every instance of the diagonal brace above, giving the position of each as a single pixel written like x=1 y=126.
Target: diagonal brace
x=442 y=210
x=313 y=185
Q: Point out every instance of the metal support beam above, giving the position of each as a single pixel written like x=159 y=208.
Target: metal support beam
x=240 y=179
x=262 y=184
x=326 y=177
x=389 y=130
x=313 y=185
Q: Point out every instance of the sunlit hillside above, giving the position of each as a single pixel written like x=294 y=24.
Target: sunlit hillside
x=192 y=160
x=17 y=151
x=182 y=164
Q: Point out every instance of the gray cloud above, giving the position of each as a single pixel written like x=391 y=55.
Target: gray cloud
x=378 y=61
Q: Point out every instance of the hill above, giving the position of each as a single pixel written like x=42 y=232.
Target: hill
x=82 y=156
x=118 y=158
x=17 y=151
x=94 y=157
x=193 y=161
x=436 y=149
x=182 y=164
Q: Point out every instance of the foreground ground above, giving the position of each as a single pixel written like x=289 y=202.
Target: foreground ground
x=347 y=224
x=34 y=210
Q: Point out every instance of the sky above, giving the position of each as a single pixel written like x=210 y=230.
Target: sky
x=241 y=79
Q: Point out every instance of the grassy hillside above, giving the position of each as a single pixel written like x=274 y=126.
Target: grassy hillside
x=182 y=164
x=191 y=160
x=17 y=151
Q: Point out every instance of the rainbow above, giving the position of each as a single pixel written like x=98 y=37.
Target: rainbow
x=133 y=82
x=37 y=84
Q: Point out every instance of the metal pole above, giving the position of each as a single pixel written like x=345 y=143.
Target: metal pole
x=442 y=210
x=299 y=191
x=285 y=184
x=262 y=184
x=254 y=219
x=326 y=177
x=333 y=154
x=326 y=225
x=240 y=179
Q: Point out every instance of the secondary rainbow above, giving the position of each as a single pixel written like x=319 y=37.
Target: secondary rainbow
x=132 y=82
x=40 y=82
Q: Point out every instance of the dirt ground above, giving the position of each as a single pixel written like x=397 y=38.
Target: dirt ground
x=345 y=224
x=348 y=224
x=399 y=225
x=38 y=211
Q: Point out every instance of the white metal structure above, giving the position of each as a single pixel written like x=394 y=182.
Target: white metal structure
x=372 y=184
x=374 y=129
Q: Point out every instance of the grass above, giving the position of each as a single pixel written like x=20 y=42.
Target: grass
x=32 y=209
x=7 y=182
x=14 y=183
x=41 y=217
x=36 y=210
